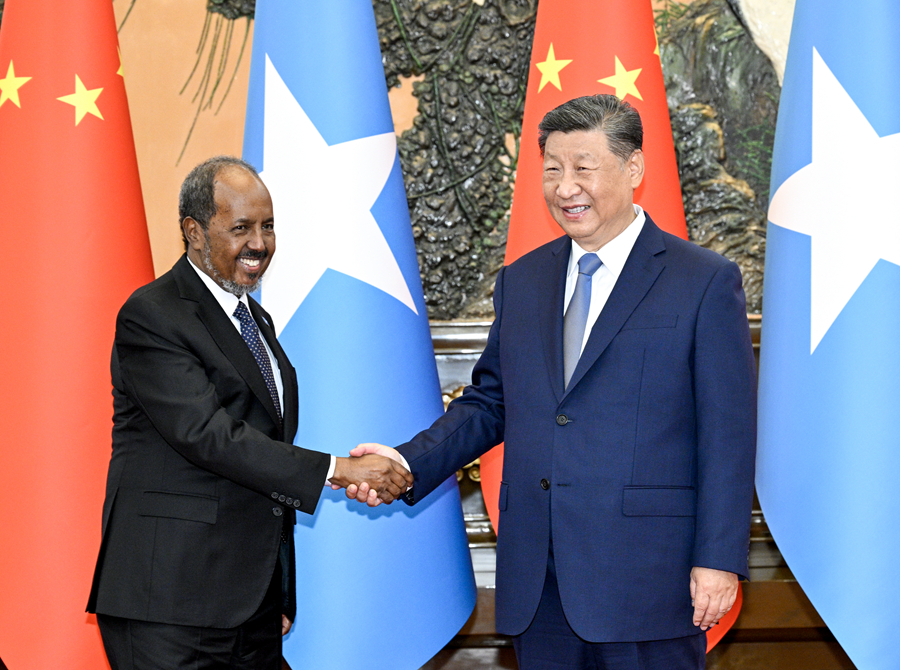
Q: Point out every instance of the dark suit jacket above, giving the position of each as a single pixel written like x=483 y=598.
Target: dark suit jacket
x=202 y=479
x=642 y=469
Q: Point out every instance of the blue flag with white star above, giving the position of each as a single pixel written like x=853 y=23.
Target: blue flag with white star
x=829 y=401
x=390 y=586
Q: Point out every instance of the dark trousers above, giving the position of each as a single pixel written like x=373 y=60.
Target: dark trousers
x=549 y=643
x=144 y=645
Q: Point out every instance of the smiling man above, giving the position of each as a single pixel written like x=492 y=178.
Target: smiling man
x=196 y=566
x=619 y=372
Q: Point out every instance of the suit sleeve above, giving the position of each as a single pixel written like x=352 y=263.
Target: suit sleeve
x=472 y=425
x=725 y=396
x=162 y=374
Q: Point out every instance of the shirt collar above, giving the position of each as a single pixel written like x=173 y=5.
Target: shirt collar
x=614 y=253
x=227 y=300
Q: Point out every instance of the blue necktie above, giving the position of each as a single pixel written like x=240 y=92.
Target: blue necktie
x=250 y=333
x=577 y=313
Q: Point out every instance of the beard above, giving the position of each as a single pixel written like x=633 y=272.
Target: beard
x=230 y=285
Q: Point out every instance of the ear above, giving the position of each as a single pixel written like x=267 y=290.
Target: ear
x=635 y=167
x=193 y=231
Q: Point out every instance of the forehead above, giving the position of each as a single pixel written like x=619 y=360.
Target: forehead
x=235 y=186
x=576 y=144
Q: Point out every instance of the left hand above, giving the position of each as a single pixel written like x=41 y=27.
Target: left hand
x=285 y=624
x=713 y=593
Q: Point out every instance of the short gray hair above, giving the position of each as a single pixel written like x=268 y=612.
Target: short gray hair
x=618 y=120
x=197 y=198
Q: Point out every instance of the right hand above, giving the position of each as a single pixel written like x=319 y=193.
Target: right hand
x=383 y=477
x=363 y=493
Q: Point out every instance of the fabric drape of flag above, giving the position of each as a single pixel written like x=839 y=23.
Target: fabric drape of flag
x=72 y=208
x=344 y=289
x=828 y=459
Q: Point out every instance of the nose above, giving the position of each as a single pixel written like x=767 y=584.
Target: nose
x=568 y=185
x=255 y=241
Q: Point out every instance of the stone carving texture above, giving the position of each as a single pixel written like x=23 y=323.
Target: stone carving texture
x=723 y=100
x=459 y=156
x=232 y=9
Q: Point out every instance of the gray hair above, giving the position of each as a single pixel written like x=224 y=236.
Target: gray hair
x=618 y=120
x=197 y=198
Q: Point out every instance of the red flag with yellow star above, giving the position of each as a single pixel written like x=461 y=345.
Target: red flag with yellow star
x=73 y=218
x=585 y=47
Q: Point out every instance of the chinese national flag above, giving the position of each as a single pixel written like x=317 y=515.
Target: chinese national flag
x=585 y=47
x=77 y=245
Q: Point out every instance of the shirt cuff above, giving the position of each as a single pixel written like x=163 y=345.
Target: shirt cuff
x=331 y=470
x=405 y=462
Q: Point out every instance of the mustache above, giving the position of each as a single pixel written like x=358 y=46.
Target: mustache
x=249 y=253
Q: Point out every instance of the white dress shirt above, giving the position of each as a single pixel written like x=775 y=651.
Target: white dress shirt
x=613 y=255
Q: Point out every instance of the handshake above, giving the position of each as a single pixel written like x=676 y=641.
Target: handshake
x=373 y=474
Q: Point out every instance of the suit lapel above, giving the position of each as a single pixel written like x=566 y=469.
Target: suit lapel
x=224 y=333
x=638 y=275
x=288 y=374
x=551 y=313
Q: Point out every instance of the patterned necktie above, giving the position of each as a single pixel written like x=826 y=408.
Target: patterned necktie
x=250 y=333
x=576 y=315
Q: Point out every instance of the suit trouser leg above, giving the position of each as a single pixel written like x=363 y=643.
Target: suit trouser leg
x=145 y=645
x=549 y=643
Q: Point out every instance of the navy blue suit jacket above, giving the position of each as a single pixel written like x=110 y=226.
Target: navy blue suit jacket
x=642 y=469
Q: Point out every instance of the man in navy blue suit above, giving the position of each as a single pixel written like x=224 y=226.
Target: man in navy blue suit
x=619 y=372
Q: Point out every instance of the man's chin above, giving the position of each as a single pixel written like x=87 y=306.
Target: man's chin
x=241 y=288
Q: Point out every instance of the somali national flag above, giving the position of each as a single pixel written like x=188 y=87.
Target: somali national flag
x=388 y=586
x=829 y=433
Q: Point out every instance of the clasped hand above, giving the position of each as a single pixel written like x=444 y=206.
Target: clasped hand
x=373 y=474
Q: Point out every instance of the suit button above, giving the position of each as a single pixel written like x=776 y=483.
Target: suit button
x=562 y=419
x=277 y=511
x=281 y=498
x=289 y=501
x=274 y=496
x=297 y=504
x=545 y=484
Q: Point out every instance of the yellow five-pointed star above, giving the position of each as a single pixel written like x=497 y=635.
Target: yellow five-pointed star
x=9 y=87
x=623 y=81
x=121 y=70
x=84 y=101
x=550 y=70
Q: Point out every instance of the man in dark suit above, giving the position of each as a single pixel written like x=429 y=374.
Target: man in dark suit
x=619 y=372
x=196 y=563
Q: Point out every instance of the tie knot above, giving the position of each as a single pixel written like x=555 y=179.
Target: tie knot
x=241 y=312
x=589 y=264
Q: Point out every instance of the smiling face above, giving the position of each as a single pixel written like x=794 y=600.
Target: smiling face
x=238 y=245
x=588 y=189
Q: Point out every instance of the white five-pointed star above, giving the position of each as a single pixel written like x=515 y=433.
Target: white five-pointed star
x=322 y=196
x=847 y=199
